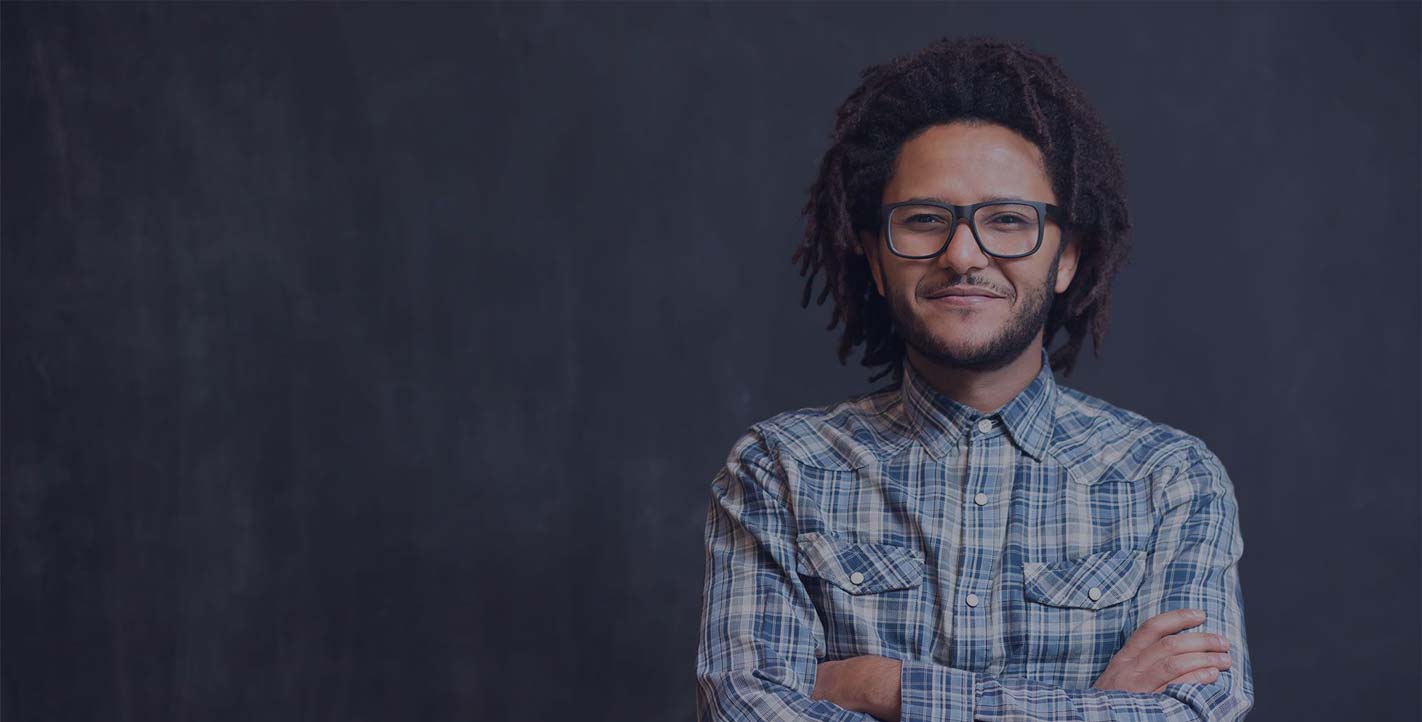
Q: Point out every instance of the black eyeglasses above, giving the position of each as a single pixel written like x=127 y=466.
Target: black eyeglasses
x=1002 y=228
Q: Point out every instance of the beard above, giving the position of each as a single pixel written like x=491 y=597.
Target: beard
x=1029 y=317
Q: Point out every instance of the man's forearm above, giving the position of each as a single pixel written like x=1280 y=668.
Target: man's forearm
x=917 y=691
x=866 y=683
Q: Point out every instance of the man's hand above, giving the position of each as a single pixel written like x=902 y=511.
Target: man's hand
x=1155 y=656
x=866 y=683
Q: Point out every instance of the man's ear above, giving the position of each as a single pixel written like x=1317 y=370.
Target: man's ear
x=1067 y=262
x=869 y=248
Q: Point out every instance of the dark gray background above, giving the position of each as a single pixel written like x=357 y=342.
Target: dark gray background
x=299 y=426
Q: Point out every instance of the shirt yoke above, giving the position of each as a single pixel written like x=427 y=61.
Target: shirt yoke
x=1094 y=440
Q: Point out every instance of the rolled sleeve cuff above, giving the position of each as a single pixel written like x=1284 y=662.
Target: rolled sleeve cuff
x=935 y=693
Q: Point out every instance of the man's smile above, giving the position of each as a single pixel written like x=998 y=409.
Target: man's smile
x=965 y=299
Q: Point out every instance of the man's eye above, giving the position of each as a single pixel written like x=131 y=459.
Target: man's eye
x=925 y=218
x=1008 y=219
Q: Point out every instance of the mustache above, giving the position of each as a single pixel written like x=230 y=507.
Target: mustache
x=969 y=286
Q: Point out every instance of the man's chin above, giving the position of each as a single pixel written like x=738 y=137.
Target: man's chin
x=979 y=325
x=974 y=351
x=955 y=349
x=965 y=336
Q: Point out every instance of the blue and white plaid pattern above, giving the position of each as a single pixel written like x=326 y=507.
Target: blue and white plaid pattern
x=1004 y=557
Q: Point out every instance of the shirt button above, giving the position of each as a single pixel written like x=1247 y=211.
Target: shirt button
x=985 y=425
x=972 y=600
x=1094 y=593
x=857 y=577
x=980 y=499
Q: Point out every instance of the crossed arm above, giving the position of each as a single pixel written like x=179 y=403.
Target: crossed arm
x=756 y=660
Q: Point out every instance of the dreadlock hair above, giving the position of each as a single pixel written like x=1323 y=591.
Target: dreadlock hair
x=973 y=79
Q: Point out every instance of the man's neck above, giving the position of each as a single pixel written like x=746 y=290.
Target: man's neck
x=986 y=391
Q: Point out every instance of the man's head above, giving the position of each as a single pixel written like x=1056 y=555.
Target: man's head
x=963 y=163
x=962 y=122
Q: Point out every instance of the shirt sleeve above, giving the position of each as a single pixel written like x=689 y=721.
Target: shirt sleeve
x=756 y=655
x=1193 y=562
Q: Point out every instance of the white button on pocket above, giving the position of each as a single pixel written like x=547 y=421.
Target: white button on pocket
x=856 y=578
x=1095 y=593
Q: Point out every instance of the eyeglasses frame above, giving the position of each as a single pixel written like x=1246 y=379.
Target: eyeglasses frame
x=965 y=213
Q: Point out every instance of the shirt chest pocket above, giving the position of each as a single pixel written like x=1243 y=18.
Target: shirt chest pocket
x=867 y=595
x=1076 y=608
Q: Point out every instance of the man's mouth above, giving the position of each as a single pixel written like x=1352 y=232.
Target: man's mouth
x=964 y=299
x=964 y=296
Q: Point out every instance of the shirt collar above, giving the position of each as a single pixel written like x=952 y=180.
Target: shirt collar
x=940 y=421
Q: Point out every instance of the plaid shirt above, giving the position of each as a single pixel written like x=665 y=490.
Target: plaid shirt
x=1003 y=557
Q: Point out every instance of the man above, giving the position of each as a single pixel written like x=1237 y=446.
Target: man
x=973 y=541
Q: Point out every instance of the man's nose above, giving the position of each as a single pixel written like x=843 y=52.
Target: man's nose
x=963 y=253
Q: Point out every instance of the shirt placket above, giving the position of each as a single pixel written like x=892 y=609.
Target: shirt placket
x=973 y=600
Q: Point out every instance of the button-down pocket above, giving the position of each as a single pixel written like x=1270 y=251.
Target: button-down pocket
x=866 y=594
x=1075 y=607
x=857 y=567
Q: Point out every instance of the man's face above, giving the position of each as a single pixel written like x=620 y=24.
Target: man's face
x=962 y=164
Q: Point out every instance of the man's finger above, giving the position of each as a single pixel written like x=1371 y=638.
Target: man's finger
x=1160 y=625
x=1181 y=643
x=1186 y=663
x=1199 y=676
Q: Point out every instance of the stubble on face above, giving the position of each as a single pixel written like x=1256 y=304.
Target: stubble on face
x=1029 y=316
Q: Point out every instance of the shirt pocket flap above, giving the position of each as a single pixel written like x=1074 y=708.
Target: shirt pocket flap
x=859 y=567
x=1090 y=582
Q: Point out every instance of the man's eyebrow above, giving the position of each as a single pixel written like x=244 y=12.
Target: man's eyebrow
x=983 y=199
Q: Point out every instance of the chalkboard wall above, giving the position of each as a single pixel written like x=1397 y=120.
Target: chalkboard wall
x=372 y=361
